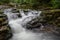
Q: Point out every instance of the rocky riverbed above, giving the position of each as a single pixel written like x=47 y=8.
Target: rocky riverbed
x=50 y=20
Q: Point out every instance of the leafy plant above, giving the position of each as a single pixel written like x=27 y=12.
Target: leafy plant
x=55 y=3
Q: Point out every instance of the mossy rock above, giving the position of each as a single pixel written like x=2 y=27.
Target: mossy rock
x=1 y=12
x=14 y=10
x=5 y=30
x=51 y=15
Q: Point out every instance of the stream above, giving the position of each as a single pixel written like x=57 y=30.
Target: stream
x=21 y=33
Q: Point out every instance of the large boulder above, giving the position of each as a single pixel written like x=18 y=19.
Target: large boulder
x=5 y=30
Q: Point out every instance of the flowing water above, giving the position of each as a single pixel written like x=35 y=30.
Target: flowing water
x=19 y=32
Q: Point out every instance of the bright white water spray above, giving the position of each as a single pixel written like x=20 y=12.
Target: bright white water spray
x=20 y=33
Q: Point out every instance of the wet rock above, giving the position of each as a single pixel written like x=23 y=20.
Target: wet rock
x=38 y=26
x=57 y=31
x=58 y=18
x=52 y=17
x=5 y=30
x=33 y=23
x=14 y=10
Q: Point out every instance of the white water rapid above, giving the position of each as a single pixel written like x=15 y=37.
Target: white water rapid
x=20 y=33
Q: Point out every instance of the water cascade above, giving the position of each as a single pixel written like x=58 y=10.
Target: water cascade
x=19 y=32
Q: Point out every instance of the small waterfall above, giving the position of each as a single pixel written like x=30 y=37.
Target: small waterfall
x=22 y=13
x=10 y=15
x=16 y=24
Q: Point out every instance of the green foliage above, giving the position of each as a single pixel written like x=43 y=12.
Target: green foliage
x=55 y=3
x=14 y=1
x=34 y=3
x=4 y=1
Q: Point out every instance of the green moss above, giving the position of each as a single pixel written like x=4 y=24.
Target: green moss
x=52 y=17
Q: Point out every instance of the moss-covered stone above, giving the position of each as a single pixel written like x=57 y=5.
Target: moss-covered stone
x=5 y=30
x=52 y=17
